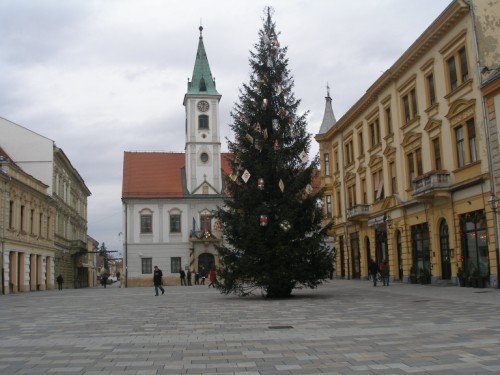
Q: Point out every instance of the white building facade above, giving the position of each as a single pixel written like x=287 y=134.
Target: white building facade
x=169 y=198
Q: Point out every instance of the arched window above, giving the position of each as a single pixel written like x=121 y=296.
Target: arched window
x=203 y=122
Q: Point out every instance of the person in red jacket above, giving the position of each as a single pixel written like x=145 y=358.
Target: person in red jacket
x=212 y=278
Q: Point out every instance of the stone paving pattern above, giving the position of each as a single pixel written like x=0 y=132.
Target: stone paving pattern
x=343 y=327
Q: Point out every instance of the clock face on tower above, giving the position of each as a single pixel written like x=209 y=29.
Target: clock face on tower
x=203 y=106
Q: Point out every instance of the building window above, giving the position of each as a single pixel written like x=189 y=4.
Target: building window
x=471 y=132
x=11 y=215
x=378 y=186
x=418 y=157
x=394 y=186
x=48 y=227
x=339 y=204
x=146 y=223
x=32 y=221
x=40 y=222
x=374 y=133
x=361 y=145
x=349 y=153
x=147 y=265
x=336 y=157
x=421 y=247
x=327 y=164
x=363 y=191
x=351 y=196
x=206 y=223
x=175 y=264
x=175 y=223
x=431 y=91
x=437 y=154
x=459 y=135
x=203 y=122
x=458 y=70
x=388 y=121
x=410 y=108
x=204 y=157
x=22 y=218
x=411 y=169
x=329 y=206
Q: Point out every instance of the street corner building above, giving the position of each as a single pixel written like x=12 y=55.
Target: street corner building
x=169 y=198
x=412 y=170
x=43 y=213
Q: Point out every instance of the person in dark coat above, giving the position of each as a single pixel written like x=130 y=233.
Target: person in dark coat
x=183 y=277
x=60 y=281
x=384 y=272
x=188 y=276
x=373 y=267
x=158 y=280
x=196 y=278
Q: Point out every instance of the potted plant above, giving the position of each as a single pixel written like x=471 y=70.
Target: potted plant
x=425 y=276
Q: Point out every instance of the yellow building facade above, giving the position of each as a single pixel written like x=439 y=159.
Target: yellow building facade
x=406 y=171
x=26 y=230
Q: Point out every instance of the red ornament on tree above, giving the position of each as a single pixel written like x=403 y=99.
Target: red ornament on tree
x=263 y=220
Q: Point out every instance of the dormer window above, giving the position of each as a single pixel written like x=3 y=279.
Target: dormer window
x=203 y=122
x=203 y=85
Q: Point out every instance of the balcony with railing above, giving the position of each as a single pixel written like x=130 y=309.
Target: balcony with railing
x=431 y=184
x=358 y=212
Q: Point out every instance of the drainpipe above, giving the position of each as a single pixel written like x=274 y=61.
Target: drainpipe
x=492 y=199
x=125 y=261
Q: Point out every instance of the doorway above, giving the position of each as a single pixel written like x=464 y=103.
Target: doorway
x=444 y=243
x=206 y=261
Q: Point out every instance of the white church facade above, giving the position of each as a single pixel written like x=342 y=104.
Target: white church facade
x=169 y=198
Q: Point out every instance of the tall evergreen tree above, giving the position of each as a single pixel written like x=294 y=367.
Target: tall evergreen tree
x=271 y=220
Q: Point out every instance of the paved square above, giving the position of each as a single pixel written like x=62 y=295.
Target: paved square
x=344 y=327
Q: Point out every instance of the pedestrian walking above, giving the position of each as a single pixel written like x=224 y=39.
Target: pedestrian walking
x=188 y=276
x=196 y=278
x=373 y=267
x=104 y=280
x=60 y=281
x=158 y=280
x=183 y=277
x=212 y=278
x=384 y=272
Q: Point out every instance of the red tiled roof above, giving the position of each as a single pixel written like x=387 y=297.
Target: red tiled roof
x=156 y=174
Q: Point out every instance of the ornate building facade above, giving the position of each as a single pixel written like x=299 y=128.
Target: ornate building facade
x=406 y=168
x=168 y=198
x=27 y=215
x=42 y=159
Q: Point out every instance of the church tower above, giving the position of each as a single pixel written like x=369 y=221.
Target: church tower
x=203 y=159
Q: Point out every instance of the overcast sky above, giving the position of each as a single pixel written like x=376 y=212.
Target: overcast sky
x=102 y=77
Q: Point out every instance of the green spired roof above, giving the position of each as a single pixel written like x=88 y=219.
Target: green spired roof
x=202 y=82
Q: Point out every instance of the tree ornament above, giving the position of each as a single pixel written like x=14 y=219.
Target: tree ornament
x=245 y=176
x=309 y=189
x=276 y=145
x=264 y=220
x=258 y=129
x=276 y=125
x=264 y=103
x=260 y=183
x=249 y=138
x=265 y=134
x=285 y=225
x=303 y=156
x=282 y=112
x=278 y=89
x=265 y=39
x=282 y=185
x=233 y=176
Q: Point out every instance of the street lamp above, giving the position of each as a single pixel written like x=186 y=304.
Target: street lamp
x=493 y=201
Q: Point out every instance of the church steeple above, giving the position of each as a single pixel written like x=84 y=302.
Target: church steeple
x=328 y=118
x=202 y=81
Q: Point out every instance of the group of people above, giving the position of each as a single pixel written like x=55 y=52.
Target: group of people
x=381 y=269
x=185 y=279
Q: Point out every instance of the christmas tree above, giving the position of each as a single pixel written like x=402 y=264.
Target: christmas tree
x=271 y=221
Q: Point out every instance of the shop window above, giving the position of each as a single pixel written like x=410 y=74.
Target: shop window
x=475 y=242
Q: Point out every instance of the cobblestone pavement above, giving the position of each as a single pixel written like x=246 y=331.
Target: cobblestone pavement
x=343 y=327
